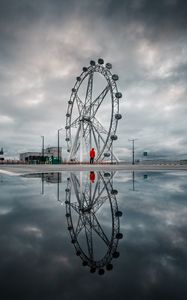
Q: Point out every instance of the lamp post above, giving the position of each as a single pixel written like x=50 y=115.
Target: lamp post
x=59 y=144
x=132 y=140
x=42 y=136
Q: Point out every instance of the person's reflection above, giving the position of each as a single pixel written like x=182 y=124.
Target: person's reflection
x=92 y=176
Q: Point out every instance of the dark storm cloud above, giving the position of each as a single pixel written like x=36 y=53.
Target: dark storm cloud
x=45 y=44
x=161 y=18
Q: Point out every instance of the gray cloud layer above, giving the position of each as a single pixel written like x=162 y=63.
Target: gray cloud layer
x=44 y=44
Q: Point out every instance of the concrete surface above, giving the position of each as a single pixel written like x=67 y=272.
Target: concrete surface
x=26 y=169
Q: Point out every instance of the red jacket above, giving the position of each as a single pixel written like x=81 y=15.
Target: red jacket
x=92 y=153
x=92 y=176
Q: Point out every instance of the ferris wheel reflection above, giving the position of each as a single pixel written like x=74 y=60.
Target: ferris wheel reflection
x=93 y=219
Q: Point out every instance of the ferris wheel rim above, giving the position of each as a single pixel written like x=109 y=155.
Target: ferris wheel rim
x=107 y=143
x=106 y=259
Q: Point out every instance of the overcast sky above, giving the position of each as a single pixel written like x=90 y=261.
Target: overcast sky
x=45 y=44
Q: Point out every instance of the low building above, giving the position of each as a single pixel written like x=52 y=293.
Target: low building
x=50 y=156
x=53 y=151
x=47 y=177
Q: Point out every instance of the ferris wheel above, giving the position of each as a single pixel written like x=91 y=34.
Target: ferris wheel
x=93 y=113
x=86 y=202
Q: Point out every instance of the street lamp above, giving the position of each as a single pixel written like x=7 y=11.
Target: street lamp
x=42 y=136
x=59 y=144
x=132 y=140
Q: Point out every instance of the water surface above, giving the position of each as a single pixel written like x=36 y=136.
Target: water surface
x=95 y=236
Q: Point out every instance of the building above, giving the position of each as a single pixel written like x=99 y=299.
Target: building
x=53 y=151
x=47 y=177
x=50 y=156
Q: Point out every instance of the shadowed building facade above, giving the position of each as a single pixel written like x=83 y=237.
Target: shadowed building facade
x=50 y=156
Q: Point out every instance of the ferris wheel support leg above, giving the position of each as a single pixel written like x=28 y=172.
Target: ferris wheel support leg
x=98 y=143
x=95 y=139
x=81 y=187
x=114 y=157
x=90 y=132
x=76 y=188
x=74 y=146
x=81 y=142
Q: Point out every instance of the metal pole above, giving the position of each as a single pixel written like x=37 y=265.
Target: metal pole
x=42 y=148
x=58 y=187
x=58 y=147
x=133 y=181
x=59 y=144
x=42 y=183
x=133 y=152
x=132 y=140
x=81 y=142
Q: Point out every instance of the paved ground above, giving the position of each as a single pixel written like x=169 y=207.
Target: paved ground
x=26 y=169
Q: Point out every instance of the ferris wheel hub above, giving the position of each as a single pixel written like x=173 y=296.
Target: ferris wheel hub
x=85 y=118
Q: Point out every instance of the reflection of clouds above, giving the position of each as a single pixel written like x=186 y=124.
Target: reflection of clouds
x=5 y=210
x=155 y=223
x=34 y=242
x=34 y=231
x=63 y=260
x=158 y=204
x=174 y=187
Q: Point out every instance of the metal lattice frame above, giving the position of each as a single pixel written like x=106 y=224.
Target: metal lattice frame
x=86 y=207
x=88 y=127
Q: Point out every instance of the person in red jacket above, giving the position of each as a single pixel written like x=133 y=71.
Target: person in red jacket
x=92 y=176
x=92 y=155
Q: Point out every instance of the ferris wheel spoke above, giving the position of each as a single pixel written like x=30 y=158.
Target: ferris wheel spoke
x=86 y=199
x=88 y=98
x=76 y=186
x=97 y=102
x=95 y=139
x=99 y=134
x=99 y=203
x=98 y=196
x=80 y=226
x=75 y=123
x=87 y=191
x=98 y=229
x=88 y=233
x=82 y=197
x=97 y=188
x=75 y=145
x=104 y=141
x=75 y=207
x=80 y=104
x=99 y=126
x=105 y=187
x=86 y=135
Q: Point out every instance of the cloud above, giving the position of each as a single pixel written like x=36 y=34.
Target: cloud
x=45 y=44
x=36 y=246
